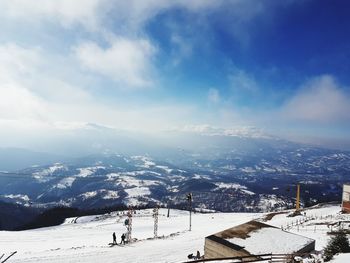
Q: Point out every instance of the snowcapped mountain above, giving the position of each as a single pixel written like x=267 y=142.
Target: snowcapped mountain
x=228 y=175
x=114 y=179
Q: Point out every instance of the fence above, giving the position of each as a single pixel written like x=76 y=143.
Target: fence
x=252 y=258
x=299 y=224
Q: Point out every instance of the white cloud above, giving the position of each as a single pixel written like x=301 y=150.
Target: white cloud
x=18 y=103
x=206 y=129
x=44 y=88
x=37 y=93
x=92 y=13
x=66 y=12
x=126 y=61
x=15 y=100
x=37 y=72
x=320 y=100
x=132 y=14
x=213 y=95
x=15 y=60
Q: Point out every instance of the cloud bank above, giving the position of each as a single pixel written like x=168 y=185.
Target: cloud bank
x=320 y=100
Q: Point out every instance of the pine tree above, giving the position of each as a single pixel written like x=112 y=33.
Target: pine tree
x=337 y=244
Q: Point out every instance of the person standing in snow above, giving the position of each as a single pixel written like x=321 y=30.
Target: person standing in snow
x=123 y=239
x=114 y=238
x=198 y=255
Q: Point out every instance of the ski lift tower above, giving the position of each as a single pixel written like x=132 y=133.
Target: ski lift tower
x=155 y=215
x=129 y=225
x=189 y=198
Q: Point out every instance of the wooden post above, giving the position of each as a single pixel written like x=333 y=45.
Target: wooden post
x=297 y=207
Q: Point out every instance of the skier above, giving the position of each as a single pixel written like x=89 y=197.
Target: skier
x=114 y=238
x=123 y=239
x=198 y=255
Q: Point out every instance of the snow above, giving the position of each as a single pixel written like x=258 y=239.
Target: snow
x=147 y=162
x=65 y=183
x=84 y=172
x=268 y=169
x=42 y=175
x=18 y=196
x=234 y=186
x=247 y=169
x=87 y=239
x=201 y=176
x=230 y=185
x=271 y=240
x=138 y=191
x=341 y=258
x=88 y=195
x=316 y=226
x=247 y=192
x=165 y=168
x=109 y=194
x=134 y=194
x=105 y=194
x=131 y=181
x=270 y=202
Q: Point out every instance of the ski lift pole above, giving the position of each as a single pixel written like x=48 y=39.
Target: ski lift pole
x=189 y=199
x=129 y=225
x=297 y=205
x=155 y=215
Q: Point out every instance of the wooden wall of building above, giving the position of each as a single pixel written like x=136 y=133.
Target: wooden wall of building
x=213 y=249
x=346 y=198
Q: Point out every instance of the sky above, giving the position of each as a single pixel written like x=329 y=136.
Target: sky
x=150 y=65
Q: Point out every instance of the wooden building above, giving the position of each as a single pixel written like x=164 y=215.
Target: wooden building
x=254 y=238
x=346 y=198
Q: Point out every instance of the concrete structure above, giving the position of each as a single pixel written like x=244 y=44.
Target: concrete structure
x=254 y=238
x=346 y=198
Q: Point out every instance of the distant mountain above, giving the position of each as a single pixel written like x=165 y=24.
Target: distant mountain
x=226 y=173
x=12 y=159
x=225 y=170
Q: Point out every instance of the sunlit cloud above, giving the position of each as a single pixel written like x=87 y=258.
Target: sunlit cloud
x=320 y=100
x=127 y=62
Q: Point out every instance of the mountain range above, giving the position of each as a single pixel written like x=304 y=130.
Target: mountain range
x=224 y=173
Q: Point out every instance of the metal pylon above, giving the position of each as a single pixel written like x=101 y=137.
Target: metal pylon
x=129 y=225
x=155 y=215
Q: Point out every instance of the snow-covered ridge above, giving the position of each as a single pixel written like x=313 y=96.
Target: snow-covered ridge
x=85 y=239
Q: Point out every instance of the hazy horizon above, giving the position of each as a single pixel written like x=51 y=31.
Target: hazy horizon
x=149 y=67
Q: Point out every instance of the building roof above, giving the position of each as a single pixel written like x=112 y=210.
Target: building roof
x=259 y=238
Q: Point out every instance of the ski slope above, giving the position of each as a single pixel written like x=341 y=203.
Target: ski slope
x=87 y=239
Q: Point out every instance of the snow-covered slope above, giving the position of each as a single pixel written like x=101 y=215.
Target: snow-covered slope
x=87 y=239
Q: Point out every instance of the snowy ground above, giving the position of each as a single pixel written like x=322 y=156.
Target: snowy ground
x=87 y=240
x=342 y=258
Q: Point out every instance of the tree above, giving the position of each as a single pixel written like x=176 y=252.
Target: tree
x=339 y=243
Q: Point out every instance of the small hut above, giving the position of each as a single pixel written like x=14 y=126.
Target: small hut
x=254 y=238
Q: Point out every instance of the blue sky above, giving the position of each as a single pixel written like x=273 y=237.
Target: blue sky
x=279 y=66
